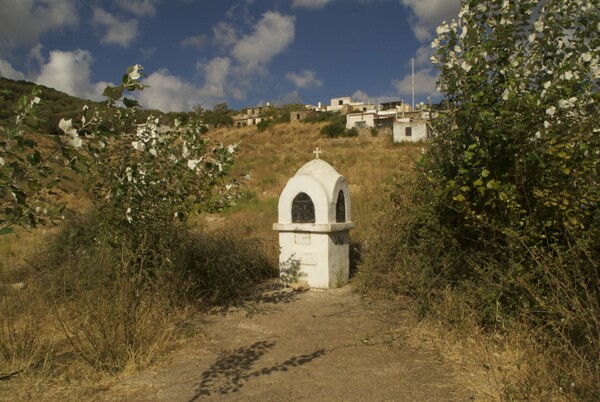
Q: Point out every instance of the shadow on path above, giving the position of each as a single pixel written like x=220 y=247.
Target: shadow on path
x=231 y=370
x=262 y=301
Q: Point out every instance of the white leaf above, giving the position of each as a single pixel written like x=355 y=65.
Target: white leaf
x=67 y=127
x=138 y=145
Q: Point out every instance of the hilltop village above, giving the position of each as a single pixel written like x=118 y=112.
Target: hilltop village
x=396 y=118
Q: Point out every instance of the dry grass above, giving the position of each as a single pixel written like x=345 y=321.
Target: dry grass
x=368 y=163
x=51 y=366
x=507 y=366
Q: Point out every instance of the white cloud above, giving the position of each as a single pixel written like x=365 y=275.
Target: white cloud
x=224 y=34
x=271 y=36
x=310 y=4
x=167 y=92
x=289 y=98
x=70 y=72
x=423 y=56
x=170 y=93
x=35 y=54
x=119 y=32
x=147 y=52
x=141 y=8
x=362 y=96
x=425 y=83
x=224 y=77
x=7 y=71
x=23 y=21
x=215 y=75
x=428 y=14
x=198 y=41
x=305 y=79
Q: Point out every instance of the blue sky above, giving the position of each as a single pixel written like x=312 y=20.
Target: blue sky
x=243 y=52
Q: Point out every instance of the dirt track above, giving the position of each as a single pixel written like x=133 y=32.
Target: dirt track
x=322 y=345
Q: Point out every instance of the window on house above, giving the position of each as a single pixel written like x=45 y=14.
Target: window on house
x=408 y=131
x=340 y=208
x=360 y=124
x=340 y=102
x=303 y=209
x=298 y=116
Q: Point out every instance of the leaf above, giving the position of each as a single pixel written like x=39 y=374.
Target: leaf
x=36 y=157
x=459 y=198
x=113 y=93
x=6 y=230
x=485 y=173
x=130 y=103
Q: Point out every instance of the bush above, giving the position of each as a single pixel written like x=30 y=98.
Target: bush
x=119 y=278
x=503 y=214
x=351 y=132
x=119 y=306
x=265 y=124
x=333 y=130
x=220 y=267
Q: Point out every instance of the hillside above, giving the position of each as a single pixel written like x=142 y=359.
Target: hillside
x=55 y=105
x=369 y=164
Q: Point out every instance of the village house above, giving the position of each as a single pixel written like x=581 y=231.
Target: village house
x=337 y=104
x=302 y=114
x=250 y=116
x=369 y=116
x=413 y=127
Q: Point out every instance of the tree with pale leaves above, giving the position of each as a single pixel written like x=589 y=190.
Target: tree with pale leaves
x=520 y=146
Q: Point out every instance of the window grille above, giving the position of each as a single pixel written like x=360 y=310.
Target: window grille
x=340 y=208
x=303 y=209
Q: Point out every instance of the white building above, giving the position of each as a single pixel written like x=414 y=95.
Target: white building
x=371 y=119
x=361 y=120
x=337 y=104
x=412 y=129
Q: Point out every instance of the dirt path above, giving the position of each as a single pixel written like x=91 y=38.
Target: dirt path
x=314 y=346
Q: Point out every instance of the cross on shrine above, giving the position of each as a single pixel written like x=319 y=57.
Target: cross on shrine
x=317 y=151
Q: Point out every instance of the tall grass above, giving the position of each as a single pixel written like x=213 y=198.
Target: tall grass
x=542 y=302
x=114 y=307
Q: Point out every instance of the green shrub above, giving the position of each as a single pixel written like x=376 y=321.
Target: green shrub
x=503 y=215
x=120 y=304
x=351 y=132
x=119 y=276
x=265 y=124
x=320 y=117
x=221 y=267
x=333 y=130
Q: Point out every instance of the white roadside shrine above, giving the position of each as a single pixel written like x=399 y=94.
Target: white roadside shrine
x=314 y=224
